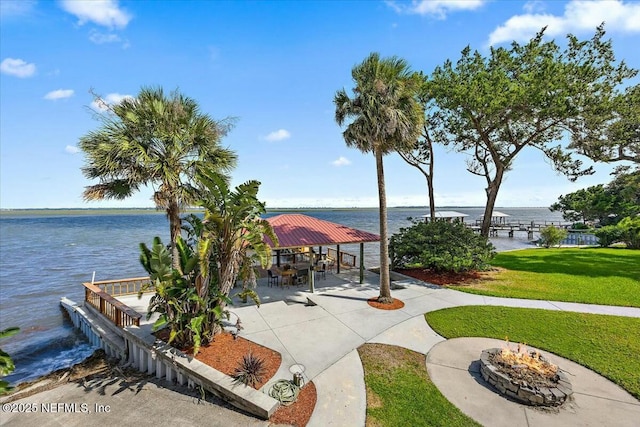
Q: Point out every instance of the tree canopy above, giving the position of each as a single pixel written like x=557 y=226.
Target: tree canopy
x=533 y=95
x=617 y=136
x=154 y=140
x=604 y=204
x=383 y=116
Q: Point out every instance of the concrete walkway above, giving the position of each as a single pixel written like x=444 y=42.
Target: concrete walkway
x=321 y=340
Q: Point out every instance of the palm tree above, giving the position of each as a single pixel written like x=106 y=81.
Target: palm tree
x=154 y=140
x=385 y=116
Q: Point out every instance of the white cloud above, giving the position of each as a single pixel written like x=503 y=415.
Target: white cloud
x=436 y=8
x=101 y=12
x=106 y=101
x=17 y=67
x=16 y=7
x=579 y=16
x=71 y=149
x=102 y=38
x=279 y=135
x=341 y=161
x=534 y=6
x=59 y=94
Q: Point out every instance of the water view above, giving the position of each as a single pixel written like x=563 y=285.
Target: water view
x=46 y=255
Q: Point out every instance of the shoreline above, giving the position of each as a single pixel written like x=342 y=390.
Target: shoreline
x=153 y=210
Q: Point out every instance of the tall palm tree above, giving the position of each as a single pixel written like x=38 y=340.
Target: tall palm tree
x=154 y=140
x=384 y=116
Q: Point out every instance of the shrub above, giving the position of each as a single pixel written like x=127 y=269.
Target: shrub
x=626 y=231
x=579 y=226
x=630 y=227
x=6 y=364
x=552 y=236
x=441 y=246
x=608 y=235
x=249 y=371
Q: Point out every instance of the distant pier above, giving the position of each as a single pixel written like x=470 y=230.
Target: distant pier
x=512 y=227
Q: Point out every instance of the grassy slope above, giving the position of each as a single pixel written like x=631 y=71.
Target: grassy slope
x=590 y=275
x=400 y=393
x=609 y=345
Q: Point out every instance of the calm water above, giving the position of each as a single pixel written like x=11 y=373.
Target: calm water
x=47 y=255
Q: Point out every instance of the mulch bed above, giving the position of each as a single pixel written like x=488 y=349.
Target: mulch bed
x=224 y=354
x=441 y=278
x=395 y=305
x=299 y=413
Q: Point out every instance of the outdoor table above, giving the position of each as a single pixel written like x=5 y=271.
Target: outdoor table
x=287 y=276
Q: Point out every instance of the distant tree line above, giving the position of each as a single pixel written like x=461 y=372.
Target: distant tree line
x=603 y=204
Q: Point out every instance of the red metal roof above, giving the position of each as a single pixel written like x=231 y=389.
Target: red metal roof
x=297 y=230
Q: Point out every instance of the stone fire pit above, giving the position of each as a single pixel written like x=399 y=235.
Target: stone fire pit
x=534 y=391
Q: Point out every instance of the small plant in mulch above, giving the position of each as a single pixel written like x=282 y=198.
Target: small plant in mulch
x=249 y=371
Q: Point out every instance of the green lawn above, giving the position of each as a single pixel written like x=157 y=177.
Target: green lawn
x=587 y=275
x=400 y=393
x=609 y=345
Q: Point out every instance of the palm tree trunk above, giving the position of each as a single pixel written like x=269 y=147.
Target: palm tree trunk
x=175 y=227
x=385 y=286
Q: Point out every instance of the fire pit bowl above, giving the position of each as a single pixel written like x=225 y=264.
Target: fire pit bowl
x=519 y=382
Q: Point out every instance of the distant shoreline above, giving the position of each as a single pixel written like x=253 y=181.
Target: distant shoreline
x=150 y=211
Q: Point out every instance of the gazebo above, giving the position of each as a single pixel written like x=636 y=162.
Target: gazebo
x=298 y=231
x=448 y=216
x=497 y=218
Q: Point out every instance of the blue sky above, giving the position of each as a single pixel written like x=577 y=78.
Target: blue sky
x=275 y=66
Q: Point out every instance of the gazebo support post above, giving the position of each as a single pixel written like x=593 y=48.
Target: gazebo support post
x=278 y=258
x=338 y=260
x=361 y=263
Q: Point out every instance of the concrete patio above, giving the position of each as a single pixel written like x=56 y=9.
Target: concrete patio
x=320 y=339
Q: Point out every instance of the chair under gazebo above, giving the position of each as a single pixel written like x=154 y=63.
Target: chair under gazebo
x=296 y=231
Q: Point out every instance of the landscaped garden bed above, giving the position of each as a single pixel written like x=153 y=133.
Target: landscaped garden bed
x=225 y=353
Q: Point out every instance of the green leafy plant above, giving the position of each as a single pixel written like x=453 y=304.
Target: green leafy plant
x=630 y=227
x=188 y=304
x=441 y=246
x=6 y=364
x=608 y=235
x=626 y=231
x=250 y=370
x=192 y=290
x=552 y=236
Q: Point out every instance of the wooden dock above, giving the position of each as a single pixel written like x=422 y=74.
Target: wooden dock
x=511 y=227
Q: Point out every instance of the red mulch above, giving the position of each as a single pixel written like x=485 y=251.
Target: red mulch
x=440 y=278
x=225 y=353
x=299 y=413
x=395 y=305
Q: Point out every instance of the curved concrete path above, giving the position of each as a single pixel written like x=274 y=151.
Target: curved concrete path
x=321 y=340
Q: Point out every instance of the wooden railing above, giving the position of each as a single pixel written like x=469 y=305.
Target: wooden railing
x=101 y=295
x=121 y=287
x=344 y=259
x=120 y=314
